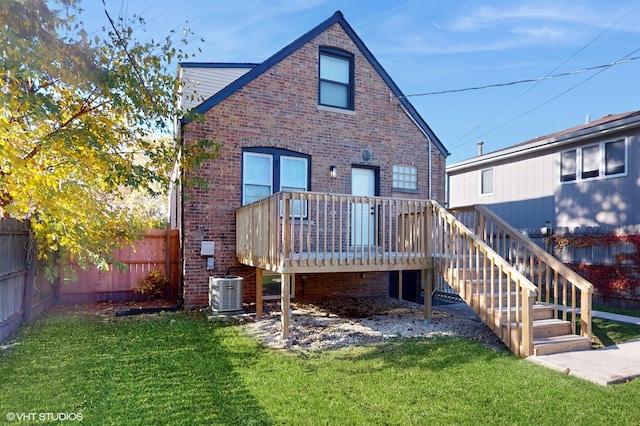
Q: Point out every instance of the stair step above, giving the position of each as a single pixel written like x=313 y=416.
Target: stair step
x=550 y=327
x=540 y=312
x=557 y=344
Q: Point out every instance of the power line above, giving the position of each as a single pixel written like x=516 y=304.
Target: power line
x=624 y=59
x=530 y=80
x=533 y=86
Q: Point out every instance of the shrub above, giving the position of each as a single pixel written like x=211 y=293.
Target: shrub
x=152 y=285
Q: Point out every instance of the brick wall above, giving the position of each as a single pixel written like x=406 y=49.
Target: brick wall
x=279 y=109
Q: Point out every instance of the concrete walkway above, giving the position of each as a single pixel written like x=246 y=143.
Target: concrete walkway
x=604 y=366
x=616 y=317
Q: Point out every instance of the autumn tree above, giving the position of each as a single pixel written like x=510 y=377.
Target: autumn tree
x=77 y=124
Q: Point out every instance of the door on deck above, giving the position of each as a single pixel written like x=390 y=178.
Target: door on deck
x=363 y=182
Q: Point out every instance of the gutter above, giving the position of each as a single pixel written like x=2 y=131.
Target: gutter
x=543 y=145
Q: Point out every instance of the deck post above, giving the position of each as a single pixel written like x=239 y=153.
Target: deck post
x=285 y=303
x=399 y=285
x=259 y=282
x=427 y=283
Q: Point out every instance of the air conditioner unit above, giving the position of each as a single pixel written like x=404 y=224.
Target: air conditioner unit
x=225 y=294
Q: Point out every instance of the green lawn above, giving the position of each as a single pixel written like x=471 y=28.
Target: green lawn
x=183 y=369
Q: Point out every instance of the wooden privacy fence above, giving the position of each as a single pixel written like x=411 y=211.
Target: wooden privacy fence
x=23 y=292
x=158 y=251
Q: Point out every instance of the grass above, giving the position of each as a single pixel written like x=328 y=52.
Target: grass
x=621 y=311
x=607 y=332
x=182 y=369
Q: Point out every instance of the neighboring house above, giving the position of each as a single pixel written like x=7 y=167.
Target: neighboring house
x=585 y=176
x=322 y=116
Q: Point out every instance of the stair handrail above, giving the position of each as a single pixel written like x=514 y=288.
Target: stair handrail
x=586 y=288
x=526 y=346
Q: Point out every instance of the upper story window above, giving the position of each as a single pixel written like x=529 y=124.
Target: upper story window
x=605 y=159
x=615 y=157
x=335 y=86
x=568 y=165
x=486 y=181
x=405 y=178
x=266 y=171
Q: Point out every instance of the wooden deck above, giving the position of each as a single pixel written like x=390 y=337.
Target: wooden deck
x=521 y=292
x=333 y=233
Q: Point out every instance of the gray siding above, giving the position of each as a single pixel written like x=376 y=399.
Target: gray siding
x=528 y=191
x=609 y=201
x=202 y=83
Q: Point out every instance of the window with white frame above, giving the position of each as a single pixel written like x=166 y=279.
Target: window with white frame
x=605 y=159
x=615 y=157
x=335 y=85
x=568 y=165
x=266 y=171
x=405 y=178
x=486 y=181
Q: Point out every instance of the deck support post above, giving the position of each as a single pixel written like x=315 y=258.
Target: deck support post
x=427 y=282
x=285 y=303
x=399 y=285
x=259 y=282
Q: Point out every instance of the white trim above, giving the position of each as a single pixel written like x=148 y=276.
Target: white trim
x=493 y=181
x=590 y=133
x=602 y=162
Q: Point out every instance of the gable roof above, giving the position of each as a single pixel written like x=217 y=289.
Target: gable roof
x=336 y=18
x=601 y=126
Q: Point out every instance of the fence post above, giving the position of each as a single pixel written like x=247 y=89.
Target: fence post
x=29 y=280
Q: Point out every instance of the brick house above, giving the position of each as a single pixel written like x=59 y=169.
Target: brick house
x=321 y=116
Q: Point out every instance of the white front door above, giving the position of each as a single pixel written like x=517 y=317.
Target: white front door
x=362 y=223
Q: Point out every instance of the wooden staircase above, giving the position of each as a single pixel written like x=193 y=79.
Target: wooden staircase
x=532 y=301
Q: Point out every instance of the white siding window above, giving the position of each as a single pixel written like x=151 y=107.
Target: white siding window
x=615 y=157
x=405 y=178
x=604 y=160
x=486 y=181
x=590 y=162
x=568 y=166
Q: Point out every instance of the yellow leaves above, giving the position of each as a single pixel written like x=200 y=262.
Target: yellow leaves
x=74 y=119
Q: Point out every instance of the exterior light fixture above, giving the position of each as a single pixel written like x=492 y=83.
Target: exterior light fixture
x=333 y=172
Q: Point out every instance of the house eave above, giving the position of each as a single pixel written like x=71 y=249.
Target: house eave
x=546 y=144
x=336 y=18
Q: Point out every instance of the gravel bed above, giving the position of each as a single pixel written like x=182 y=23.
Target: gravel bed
x=346 y=321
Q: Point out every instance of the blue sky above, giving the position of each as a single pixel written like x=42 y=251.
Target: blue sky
x=440 y=45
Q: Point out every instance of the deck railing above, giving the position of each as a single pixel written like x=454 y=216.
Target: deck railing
x=499 y=293
x=568 y=292
x=310 y=232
